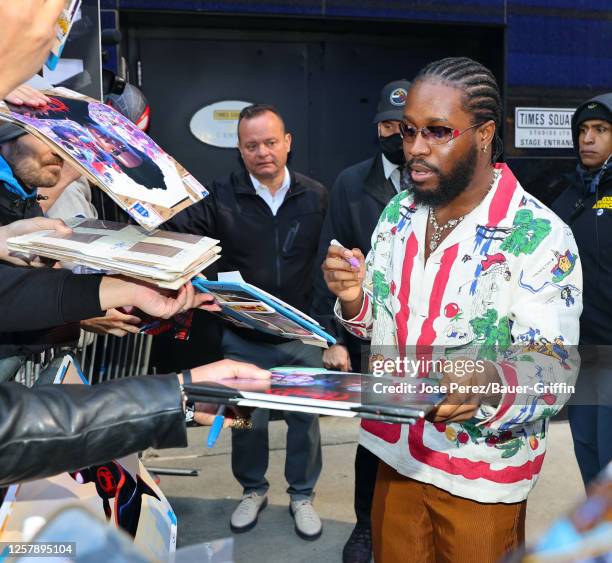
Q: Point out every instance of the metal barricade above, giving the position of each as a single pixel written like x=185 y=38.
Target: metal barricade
x=101 y=357
x=109 y=357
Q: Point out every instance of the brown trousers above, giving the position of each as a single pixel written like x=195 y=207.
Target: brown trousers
x=415 y=522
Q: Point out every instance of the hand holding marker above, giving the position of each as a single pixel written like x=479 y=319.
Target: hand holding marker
x=352 y=260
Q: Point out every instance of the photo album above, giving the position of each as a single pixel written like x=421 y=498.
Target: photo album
x=112 y=152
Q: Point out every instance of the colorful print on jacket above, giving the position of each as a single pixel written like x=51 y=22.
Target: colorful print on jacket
x=506 y=280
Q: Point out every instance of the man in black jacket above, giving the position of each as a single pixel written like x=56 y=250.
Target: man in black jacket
x=586 y=206
x=25 y=165
x=268 y=220
x=358 y=197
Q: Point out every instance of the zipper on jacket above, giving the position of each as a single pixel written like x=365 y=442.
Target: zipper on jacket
x=277 y=254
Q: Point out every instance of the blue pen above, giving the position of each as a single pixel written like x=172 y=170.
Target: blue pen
x=216 y=427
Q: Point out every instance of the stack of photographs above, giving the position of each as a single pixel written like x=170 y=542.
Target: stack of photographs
x=247 y=306
x=112 y=152
x=334 y=393
x=163 y=258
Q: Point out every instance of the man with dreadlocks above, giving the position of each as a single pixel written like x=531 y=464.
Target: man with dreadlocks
x=466 y=264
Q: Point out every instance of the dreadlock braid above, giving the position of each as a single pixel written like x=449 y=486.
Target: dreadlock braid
x=481 y=93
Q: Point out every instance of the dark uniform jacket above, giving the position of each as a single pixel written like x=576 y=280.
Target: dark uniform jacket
x=357 y=199
x=591 y=222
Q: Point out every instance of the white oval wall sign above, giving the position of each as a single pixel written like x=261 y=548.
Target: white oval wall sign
x=216 y=123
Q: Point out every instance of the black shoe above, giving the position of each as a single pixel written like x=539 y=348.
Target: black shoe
x=358 y=548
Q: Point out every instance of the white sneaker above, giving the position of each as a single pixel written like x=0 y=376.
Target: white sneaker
x=245 y=516
x=307 y=522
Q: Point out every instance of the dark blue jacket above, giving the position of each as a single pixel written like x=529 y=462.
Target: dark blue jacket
x=592 y=230
x=358 y=197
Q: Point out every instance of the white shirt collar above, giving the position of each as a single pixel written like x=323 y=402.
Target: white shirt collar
x=388 y=166
x=392 y=173
x=284 y=186
x=276 y=200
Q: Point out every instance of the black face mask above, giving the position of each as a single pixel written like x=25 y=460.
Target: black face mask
x=392 y=148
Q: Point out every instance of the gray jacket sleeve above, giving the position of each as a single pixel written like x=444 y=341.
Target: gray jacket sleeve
x=50 y=429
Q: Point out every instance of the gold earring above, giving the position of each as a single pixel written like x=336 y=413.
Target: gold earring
x=484 y=149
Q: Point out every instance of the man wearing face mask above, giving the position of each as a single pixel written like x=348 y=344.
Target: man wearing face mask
x=358 y=197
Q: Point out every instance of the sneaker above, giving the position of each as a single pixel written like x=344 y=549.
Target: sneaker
x=307 y=522
x=245 y=516
x=358 y=548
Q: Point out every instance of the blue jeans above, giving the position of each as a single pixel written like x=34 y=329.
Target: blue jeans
x=250 y=448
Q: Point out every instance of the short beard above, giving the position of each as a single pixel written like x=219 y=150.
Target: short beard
x=27 y=171
x=451 y=185
x=35 y=178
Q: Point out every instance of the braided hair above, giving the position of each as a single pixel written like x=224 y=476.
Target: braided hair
x=481 y=93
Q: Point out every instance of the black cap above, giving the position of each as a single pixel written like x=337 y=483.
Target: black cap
x=599 y=107
x=392 y=101
x=8 y=132
x=593 y=110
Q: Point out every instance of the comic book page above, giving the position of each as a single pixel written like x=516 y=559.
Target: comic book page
x=113 y=153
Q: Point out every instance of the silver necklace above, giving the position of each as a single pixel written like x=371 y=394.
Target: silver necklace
x=436 y=237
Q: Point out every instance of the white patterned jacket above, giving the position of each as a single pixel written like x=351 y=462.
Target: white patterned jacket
x=508 y=278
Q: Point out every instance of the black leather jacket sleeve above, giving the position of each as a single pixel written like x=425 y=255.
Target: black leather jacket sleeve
x=50 y=429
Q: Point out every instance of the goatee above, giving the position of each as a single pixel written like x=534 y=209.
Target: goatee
x=450 y=186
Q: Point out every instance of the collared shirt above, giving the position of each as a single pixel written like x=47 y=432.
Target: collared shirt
x=276 y=200
x=392 y=172
x=509 y=273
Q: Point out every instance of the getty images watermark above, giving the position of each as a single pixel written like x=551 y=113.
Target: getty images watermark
x=460 y=368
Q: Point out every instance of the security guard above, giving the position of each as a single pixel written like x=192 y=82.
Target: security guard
x=358 y=197
x=586 y=206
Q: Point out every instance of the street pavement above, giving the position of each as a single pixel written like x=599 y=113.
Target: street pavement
x=203 y=504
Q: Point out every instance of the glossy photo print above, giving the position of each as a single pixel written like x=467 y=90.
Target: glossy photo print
x=123 y=160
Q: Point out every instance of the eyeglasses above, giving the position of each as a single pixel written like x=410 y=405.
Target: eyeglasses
x=432 y=134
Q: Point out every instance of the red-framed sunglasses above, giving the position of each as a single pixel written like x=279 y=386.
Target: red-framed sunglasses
x=432 y=134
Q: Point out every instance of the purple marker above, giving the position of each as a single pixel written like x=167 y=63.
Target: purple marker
x=352 y=260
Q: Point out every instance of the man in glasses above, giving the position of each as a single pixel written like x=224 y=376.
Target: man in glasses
x=462 y=266
x=357 y=199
